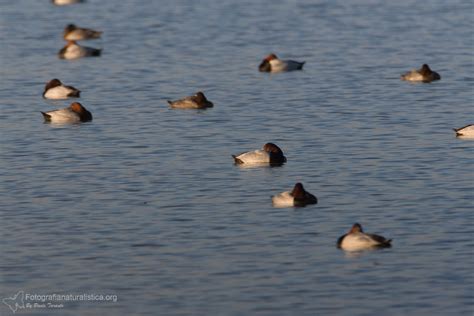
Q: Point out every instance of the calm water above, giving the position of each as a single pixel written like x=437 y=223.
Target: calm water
x=146 y=204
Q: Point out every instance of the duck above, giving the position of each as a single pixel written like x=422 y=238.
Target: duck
x=269 y=154
x=66 y=2
x=56 y=90
x=74 y=113
x=356 y=240
x=197 y=101
x=272 y=63
x=424 y=74
x=297 y=197
x=467 y=130
x=75 y=33
x=72 y=50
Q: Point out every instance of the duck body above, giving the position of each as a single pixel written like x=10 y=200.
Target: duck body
x=269 y=154
x=253 y=157
x=467 y=130
x=357 y=240
x=197 y=101
x=75 y=113
x=298 y=197
x=66 y=2
x=75 y=33
x=424 y=74
x=54 y=89
x=72 y=50
x=284 y=199
x=272 y=63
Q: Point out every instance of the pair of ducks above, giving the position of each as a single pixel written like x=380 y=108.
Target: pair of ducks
x=354 y=240
x=74 y=113
x=272 y=155
x=72 y=50
x=272 y=63
x=72 y=33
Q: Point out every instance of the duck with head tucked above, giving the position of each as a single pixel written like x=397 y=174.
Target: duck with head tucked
x=74 y=113
x=75 y=33
x=66 y=2
x=55 y=89
x=424 y=74
x=269 y=154
x=357 y=240
x=197 y=101
x=298 y=197
x=72 y=50
x=272 y=63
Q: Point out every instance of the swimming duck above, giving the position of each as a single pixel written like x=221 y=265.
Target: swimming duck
x=72 y=50
x=269 y=154
x=424 y=74
x=298 y=197
x=272 y=63
x=197 y=101
x=356 y=240
x=74 y=113
x=467 y=130
x=56 y=90
x=74 y=33
x=66 y=2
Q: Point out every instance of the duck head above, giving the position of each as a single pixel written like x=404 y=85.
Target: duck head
x=69 y=28
x=265 y=64
x=52 y=83
x=356 y=228
x=301 y=196
x=272 y=148
x=84 y=115
x=202 y=100
x=276 y=154
x=425 y=70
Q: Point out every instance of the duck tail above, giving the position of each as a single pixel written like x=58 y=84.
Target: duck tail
x=61 y=52
x=237 y=160
x=46 y=116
